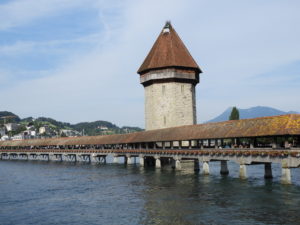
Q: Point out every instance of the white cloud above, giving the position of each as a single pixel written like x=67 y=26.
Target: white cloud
x=16 y=48
x=21 y=12
x=60 y=46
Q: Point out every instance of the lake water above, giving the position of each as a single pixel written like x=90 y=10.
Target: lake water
x=33 y=192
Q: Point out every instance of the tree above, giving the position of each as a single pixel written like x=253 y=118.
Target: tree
x=235 y=115
x=19 y=130
x=62 y=134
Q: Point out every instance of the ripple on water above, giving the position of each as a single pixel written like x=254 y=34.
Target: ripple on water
x=66 y=193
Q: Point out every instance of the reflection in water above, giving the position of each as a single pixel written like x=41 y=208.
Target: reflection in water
x=188 y=198
x=65 y=193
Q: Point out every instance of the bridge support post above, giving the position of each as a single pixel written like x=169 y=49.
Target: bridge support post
x=268 y=171
x=84 y=158
x=115 y=158
x=205 y=168
x=35 y=156
x=142 y=160
x=243 y=171
x=59 y=157
x=129 y=159
x=52 y=157
x=286 y=175
x=67 y=157
x=176 y=164
x=157 y=162
x=24 y=156
x=80 y=157
x=31 y=156
x=44 y=157
x=103 y=159
x=89 y=158
x=93 y=158
x=224 y=168
x=196 y=165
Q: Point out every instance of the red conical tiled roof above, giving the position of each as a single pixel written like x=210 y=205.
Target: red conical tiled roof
x=168 y=51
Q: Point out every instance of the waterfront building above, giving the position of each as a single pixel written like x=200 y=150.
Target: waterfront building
x=4 y=138
x=44 y=129
x=169 y=75
x=29 y=133
x=69 y=133
x=11 y=126
x=2 y=131
x=17 y=137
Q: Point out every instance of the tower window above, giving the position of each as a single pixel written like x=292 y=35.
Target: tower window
x=163 y=89
x=165 y=120
x=182 y=89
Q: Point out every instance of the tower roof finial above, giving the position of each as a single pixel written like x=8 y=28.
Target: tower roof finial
x=167 y=27
x=168 y=24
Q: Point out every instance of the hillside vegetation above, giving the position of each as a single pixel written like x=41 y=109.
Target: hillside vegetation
x=84 y=128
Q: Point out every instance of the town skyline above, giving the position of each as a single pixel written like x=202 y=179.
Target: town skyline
x=77 y=60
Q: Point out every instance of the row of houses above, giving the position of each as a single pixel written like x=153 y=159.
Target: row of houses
x=8 y=129
x=8 y=132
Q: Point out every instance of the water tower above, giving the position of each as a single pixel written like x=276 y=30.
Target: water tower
x=169 y=75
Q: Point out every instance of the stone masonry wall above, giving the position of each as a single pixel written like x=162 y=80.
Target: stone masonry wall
x=169 y=104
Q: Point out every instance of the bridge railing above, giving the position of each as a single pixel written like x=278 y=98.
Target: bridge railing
x=197 y=152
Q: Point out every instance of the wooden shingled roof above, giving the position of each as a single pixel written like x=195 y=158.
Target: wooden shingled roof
x=168 y=51
x=258 y=127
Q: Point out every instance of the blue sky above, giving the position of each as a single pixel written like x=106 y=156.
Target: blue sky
x=76 y=60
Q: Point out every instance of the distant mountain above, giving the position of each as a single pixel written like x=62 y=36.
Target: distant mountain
x=89 y=128
x=45 y=120
x=94 y=128
x=6 y=116
x=258 y=111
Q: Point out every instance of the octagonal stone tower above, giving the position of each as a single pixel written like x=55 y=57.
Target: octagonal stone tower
x=169 y=75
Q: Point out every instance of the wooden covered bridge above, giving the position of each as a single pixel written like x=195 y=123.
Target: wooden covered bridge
x=264 y=140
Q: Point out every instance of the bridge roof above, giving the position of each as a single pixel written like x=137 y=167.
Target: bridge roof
x=258 y=127
x=168 y=51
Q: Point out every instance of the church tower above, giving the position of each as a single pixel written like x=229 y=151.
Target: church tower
x=169 y=75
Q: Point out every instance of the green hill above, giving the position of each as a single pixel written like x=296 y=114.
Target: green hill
x=8 y=117
x=88 y=128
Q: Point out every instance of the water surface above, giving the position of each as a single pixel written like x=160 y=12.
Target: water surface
x=33 y=192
